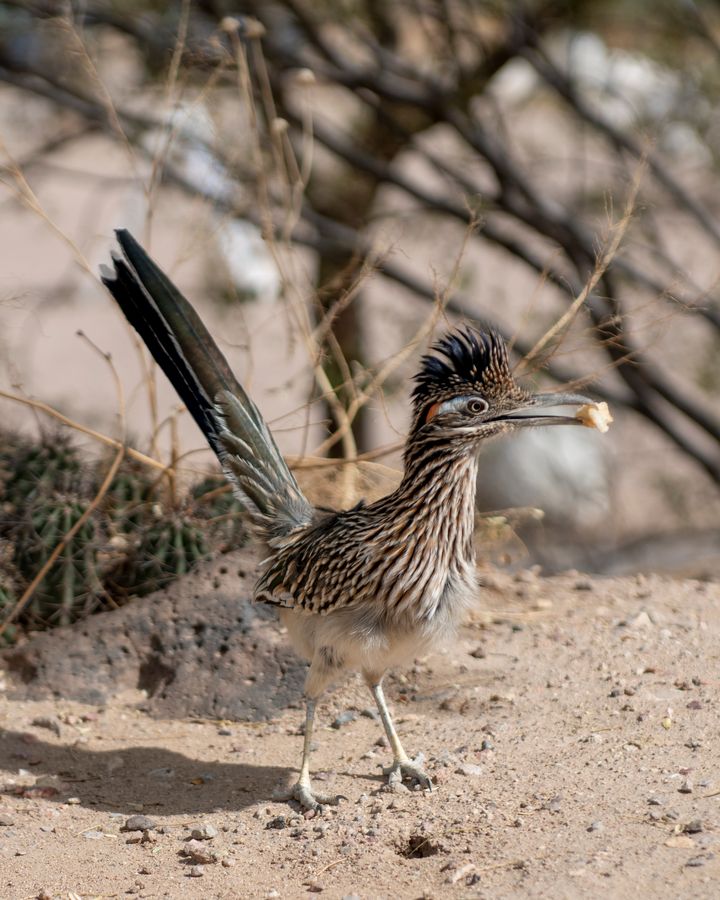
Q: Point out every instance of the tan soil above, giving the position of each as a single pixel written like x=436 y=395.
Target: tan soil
x=596 y=696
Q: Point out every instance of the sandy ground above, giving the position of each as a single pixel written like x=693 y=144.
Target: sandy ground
x=571 y=732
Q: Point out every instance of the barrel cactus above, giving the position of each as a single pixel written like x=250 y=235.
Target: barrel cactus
x=72 y=587
x=130 y=497
x=135 y=540
x=163 y=551
x=48 y=466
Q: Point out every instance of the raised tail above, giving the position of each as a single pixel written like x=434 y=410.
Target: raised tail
x=232 y=424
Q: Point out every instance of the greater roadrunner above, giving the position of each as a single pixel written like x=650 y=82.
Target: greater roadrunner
x=372 y=586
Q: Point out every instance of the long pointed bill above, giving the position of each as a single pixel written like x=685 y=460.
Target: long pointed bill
x=557 y=409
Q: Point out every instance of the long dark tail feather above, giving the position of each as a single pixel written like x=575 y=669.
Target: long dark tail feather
x=140 y=310
x=232 y=424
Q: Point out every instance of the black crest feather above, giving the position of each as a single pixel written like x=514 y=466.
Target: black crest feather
x=469 y=361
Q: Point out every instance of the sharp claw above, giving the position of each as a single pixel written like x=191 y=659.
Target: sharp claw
x=408 y=768
x=308 y=799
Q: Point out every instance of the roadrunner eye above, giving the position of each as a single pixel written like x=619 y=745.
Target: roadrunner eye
x=477 y=406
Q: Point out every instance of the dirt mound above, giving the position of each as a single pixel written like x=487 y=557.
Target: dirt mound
x=198 y=648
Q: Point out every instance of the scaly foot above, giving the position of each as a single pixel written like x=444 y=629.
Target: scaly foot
x=309 y=799
x=408 y=768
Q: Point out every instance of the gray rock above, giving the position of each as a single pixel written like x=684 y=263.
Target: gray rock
x=344 y=718
x=203 y=833
x=139 y=823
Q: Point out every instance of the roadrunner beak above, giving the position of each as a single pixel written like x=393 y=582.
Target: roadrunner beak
x=552 y=410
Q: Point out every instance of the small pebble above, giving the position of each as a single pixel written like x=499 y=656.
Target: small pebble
x=203 y=833
x=6 y=819
x=487 y=745
x=654 y=801
x=199 y=852
x=196 y=872
x=227 y=862
x=49 y=722
x=93 y=835
x=277 y=822
x=695 y=826
x=469 y=769
x=686 y=787
x=134 y=837
x=369 y=713
x=345 y=718
x=138 y=823
x=595 y=826
x=583 y=585
x=396 y=787
x=225 y=732
x=641 y=620
x=695 y=862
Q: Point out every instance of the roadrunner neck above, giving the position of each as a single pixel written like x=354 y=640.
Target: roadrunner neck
x=437 y=494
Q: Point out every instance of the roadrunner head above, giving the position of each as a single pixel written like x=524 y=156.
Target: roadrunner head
x=465 y=392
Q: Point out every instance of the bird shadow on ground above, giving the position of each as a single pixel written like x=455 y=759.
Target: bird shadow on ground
x=162 y=781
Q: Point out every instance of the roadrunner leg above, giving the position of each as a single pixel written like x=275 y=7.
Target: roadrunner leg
x=402 y=766
x=302 y=789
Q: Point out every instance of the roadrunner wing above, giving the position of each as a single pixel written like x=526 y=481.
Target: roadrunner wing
x=232 y=424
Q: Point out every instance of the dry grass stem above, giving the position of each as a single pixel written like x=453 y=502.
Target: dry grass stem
x=84 y=429
x=617 y=233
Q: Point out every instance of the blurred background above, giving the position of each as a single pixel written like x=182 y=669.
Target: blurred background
x=332 y=183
